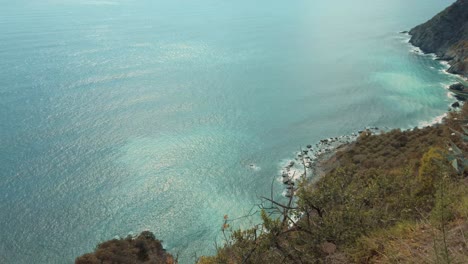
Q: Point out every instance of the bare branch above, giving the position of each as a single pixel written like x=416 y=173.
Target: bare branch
x=280 y=205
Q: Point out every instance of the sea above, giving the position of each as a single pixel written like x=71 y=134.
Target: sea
x=119 y=116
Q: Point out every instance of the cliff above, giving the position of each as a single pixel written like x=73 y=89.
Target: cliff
x=446 y=35
x=133 y=250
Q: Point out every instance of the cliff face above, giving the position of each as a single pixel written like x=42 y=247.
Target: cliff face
x=446 y=35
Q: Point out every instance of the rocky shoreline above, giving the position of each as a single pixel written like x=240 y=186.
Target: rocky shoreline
x=318 y=159
x=446 y=35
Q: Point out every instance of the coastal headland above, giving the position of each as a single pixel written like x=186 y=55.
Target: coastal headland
x=397 y=196
x=446 y=35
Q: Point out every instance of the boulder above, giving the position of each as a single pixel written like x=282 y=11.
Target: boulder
x=457 y=87
x=456 y=105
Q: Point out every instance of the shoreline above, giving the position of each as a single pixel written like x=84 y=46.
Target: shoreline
x=324 y=159
x=318 y=159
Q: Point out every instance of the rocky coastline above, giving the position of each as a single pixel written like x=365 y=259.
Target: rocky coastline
x=315 y=161
x=446 y=35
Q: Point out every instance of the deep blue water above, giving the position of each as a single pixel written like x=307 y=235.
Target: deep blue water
x=120 y=116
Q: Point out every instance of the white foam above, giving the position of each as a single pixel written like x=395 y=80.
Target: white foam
x=446 y=87
x=433 y=56
x=446 y=64
x=416 y=50
x=285 y=192
x=445 y=71
x=405 y=37
x=436 y=120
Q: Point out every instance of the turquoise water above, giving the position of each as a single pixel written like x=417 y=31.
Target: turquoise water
x=120 y=116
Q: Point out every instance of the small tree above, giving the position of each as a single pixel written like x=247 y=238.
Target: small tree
x=430 y=170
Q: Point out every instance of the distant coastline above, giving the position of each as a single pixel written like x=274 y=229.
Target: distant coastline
x=452 y=52
x=446 y=35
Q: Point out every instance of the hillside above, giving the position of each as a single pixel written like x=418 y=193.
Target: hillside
x=446 y=35
x=389 y=198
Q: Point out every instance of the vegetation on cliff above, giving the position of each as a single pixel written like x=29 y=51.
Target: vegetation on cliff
x=386 y=198
x=142 y=249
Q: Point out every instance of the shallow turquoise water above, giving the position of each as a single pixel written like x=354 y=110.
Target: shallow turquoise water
x=120 y=116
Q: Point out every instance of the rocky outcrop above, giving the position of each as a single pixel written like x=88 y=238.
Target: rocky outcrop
x=133 y=250
x=457 y=87
x=446 y=35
